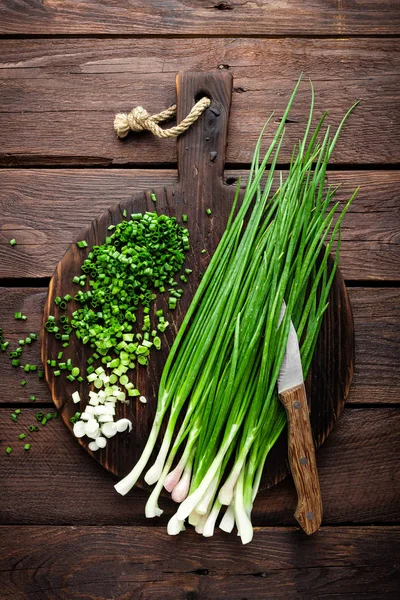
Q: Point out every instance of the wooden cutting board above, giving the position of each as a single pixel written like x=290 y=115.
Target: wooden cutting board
x=201 y=158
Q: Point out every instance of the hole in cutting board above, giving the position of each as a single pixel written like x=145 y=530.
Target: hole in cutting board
x=201 y=95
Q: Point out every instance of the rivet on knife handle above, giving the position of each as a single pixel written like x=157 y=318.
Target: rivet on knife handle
x=302 y=459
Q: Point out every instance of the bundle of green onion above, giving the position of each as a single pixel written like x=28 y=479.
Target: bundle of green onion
x=220 y=377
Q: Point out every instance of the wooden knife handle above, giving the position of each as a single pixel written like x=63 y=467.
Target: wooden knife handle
x=302 y=460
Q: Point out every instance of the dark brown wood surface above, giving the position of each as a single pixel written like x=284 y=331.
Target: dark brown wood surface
x=339 y=562
x=66 y=68
x=59 y=96
x=196 y=17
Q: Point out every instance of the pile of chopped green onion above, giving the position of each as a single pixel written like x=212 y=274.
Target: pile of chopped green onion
x=120 y=279
x=218 y=389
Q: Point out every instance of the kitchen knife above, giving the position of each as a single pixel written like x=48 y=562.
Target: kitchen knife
x=301 y=450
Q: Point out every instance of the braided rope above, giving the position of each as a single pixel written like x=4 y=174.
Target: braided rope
x=139 y=120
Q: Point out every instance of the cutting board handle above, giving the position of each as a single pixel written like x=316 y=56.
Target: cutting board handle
x=201 y=149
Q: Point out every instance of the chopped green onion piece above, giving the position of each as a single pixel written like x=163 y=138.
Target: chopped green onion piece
x=27 y=447
x=8 y=449
x=32 y=398
x=23 y=382
x=22 y=436
x=82 y=244
x=13 y=242
x=208 y=211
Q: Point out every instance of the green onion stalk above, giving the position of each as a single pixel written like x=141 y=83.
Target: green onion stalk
x=270 y=268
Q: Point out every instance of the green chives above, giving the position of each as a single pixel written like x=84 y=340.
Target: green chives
x=220 y=377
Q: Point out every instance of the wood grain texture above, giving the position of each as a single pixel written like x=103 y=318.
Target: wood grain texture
x=134 y=562
x=196 y=17
x=59 y=97
x=201 y=158
x=377 y=322
x=58 y=483
x=46 y=209
x=302 y=461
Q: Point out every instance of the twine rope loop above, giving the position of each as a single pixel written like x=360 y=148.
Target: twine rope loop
x=140 y=120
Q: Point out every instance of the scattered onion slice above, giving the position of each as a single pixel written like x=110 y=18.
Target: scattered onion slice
x=79 y=429
x=123 y=424
x=101 y=442
x=109 y=429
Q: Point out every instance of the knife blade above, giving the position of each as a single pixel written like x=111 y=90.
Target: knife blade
x=301 y=451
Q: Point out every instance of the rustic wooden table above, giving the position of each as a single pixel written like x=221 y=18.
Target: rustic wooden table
x=66 y=68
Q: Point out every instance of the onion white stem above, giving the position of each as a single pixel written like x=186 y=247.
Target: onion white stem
x=209 y=525
x=204 y=505
x=191 y=501
x=228 y=520
x=181 y=489
x=127 y=483
x=245 y=528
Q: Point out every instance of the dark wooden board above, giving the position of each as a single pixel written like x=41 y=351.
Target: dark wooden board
x=42 y=121
x=46 y=209
x=201 y=157
x=376 y=317
x=142 y=563
x=196 y=17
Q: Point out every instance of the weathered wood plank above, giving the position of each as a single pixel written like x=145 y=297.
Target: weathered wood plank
x=376 y=318
x=143 y=563
x=45 y=210
x=195 y=17
x=58 y=483
x=59 y=97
